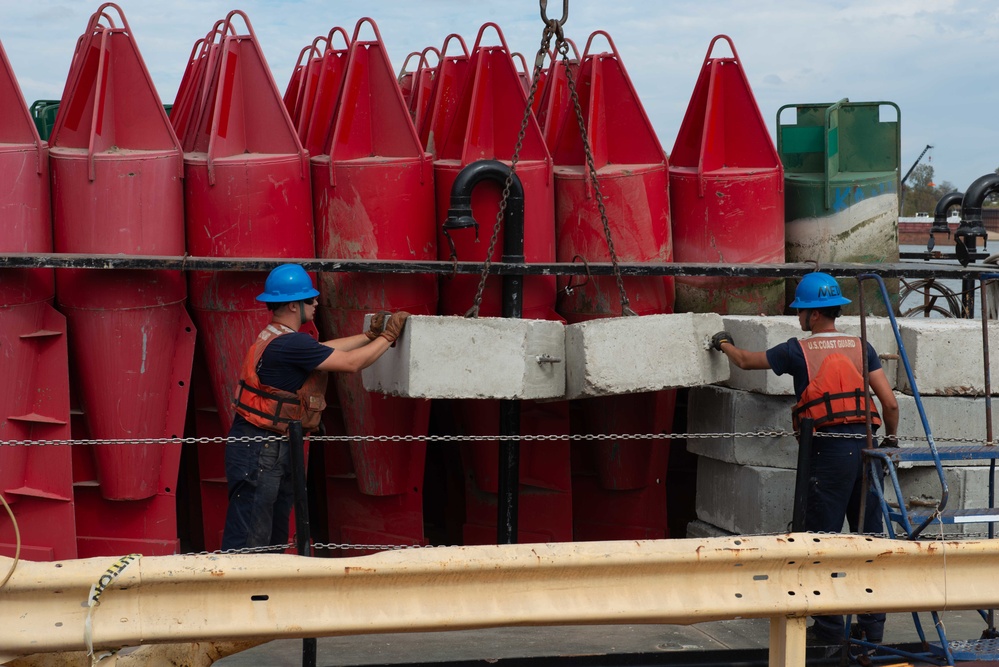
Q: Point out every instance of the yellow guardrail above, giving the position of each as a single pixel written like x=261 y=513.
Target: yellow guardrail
x=46 y=607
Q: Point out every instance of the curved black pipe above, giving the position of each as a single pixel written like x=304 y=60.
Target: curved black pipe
x=459 y=216
x=971 y=226
x=940 y=212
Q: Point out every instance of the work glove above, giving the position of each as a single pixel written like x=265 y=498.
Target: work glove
x=377 y=324
x=394 y=326
x=719 y=338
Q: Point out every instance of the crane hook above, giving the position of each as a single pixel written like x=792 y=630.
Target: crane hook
x=565 y=12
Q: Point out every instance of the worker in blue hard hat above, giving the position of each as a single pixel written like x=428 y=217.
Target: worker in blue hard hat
x=283 y=379
x=827 y=369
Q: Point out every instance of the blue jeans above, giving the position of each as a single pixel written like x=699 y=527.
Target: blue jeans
x=261 y=492
x=835 y=486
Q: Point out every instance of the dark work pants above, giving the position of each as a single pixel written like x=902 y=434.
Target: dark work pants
x=261 y=492
x=835 y=486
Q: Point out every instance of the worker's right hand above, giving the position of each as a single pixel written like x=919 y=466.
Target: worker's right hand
x=719 y=338
x=394 y=326
x=377 y=324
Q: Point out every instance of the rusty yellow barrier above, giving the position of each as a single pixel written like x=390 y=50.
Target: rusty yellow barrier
x=173 y=599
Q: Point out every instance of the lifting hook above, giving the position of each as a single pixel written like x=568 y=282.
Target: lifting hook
x=565 y=12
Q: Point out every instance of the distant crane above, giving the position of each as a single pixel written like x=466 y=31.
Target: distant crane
x=901 y=184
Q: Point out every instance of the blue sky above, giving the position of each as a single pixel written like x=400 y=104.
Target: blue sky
x=934 y=58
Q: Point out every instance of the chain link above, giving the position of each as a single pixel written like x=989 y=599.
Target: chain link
x=543 y=437
x=562 y=47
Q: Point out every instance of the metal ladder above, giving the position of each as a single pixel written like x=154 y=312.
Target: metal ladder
x=913 y=524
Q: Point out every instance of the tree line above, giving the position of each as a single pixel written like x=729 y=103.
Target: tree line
x=920 y=194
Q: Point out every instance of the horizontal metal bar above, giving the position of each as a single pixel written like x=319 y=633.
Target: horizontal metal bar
x=188 y=263
x=173 y=599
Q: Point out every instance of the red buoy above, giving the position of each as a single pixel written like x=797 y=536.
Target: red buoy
x=247 y=194
x=726 y=183
x=116 y=188
x=480 y=120
x=37 y=482
x=619 y=485
x=374 y=199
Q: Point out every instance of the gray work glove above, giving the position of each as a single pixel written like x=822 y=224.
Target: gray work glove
x=719 y=338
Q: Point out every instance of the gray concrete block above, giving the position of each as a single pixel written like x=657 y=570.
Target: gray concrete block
x=486 y=357
x=744 y=499
x=953 y=420
x=946 y=356
x=968 y=488
x=758 y=334
x=627 y=355
x=761 y=333
x=698 y=529
x=723 y=410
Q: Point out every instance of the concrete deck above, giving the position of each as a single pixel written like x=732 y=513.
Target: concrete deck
x=614 y=641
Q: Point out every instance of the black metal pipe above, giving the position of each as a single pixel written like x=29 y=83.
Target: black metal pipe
x=800 y=512
x=444 y=267
x=946 y=202
x=296 y=442
x=459 y=217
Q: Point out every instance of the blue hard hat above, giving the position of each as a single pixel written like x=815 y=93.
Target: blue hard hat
x=818 y=290
x=286 y=283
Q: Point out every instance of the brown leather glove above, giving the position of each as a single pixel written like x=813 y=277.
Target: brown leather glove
x=394 y=326
x=377 y=324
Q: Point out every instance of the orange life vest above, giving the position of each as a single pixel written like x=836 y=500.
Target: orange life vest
x=272 y=408
x=835 y=392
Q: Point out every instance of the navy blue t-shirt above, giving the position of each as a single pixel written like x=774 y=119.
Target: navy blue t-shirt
x=288 y=360
x=788 y=358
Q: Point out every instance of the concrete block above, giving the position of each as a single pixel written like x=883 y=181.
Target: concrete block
x=968 y=488
x=762 y=333
x=487 y=357
x=698 y=529
x=626 y=355
x=953 y=420
x=723 y=410
x=744 y=499
x=946 y=356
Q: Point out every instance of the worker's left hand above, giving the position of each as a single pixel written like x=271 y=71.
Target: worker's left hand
x=377 y=324
x=394 y=326
x=719 y=338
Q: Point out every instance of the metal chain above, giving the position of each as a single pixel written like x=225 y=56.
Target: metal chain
x=543 y=437
x=347 y=546
x=551 y=28
x=562 y=46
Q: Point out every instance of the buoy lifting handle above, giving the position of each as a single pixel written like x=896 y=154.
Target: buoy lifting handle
x=711 y=46
x=246 y=22
x=94 y=24
x=499 y=33
x=405 y=63
x=374 y=28
x=342 y=31
x=461 y=40
x=605 y=35
x=110 y=5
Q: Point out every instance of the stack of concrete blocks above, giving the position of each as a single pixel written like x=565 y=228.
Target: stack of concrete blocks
x=947 y=359
x=745 y=485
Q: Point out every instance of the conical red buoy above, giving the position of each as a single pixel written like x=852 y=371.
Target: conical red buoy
x=448 y=87
x=479 y=117
x=34 y=400
x=316 y=134
x=726 y=184
x=619 y=485
x=116 y=188
x=374 y=199
x=247 y=194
